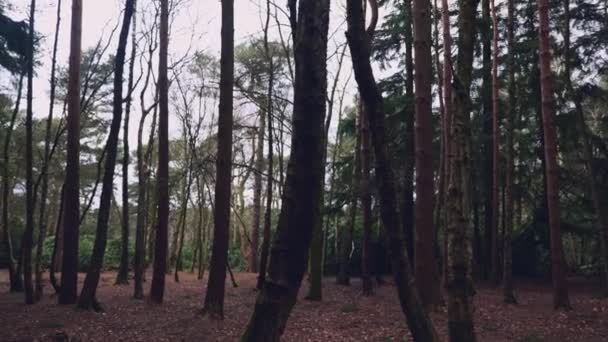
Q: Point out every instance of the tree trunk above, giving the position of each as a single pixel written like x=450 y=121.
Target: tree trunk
x=558 y=264
x=43 y=216
x=366 y=203
x=28 y=235
x=16 y=283
x=426 y=271
x=302 y=191
x=418 y=319
x=252 y=262
x=88 y=298
x=123 y=271
x=157 y=289
x=507 y=272
x=214 y=299
x=71 y=220
x=409 y=119
x=459 y=282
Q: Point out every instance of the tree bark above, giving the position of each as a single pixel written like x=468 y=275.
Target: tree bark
x=427 y=274
x=507 y=272
x=459 y=282
x=43 y=217
x=558 y=263
x=252 y=262
x=214 y=299
x=302 y=191
x=366 y=202
x=28 y=235
x=88 y=300
x=71 y=220
x=417 y=318
x=157 y=289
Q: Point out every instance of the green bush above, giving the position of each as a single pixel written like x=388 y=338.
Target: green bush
x=85 y=250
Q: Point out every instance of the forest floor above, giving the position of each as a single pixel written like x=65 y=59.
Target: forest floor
x=343 y=315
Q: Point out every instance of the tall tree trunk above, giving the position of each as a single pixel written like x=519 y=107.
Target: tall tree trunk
x=43 y=216
x=300 y=204
x=88 y=298
x=123 y=271
x=269 y=112
x=558 y=263
x=28 y=235
x=487 y=145
x=252 y=262
x=459 y=282
x=71 y=220
x=157 y=289
x=427 y=274
x=366 y=203
x=407 y=209
x=507 y=272
x=16 y=283
x=57 y=244
x=417 y=317
x=214 y=299
x=495 y=150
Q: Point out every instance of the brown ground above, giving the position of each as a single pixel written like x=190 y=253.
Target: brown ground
x=343 y=315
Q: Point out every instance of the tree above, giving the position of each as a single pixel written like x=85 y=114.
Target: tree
x=558 y=264
x=161 y=241
x=28 y=235
x=302 y=191
x=214 y=298
x=507 y=272
x=417 y=318
x=458 y=280
x=71 y=215
x=426 y=270
x=88 y=298
x=495 y=148
x=43 y=218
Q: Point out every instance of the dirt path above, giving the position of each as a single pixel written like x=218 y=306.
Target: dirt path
x=343 y=315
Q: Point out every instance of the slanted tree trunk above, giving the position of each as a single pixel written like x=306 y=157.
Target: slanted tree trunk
x=417 y=318
x=88 y=300
x=459 y=283
x=71 y=219
x=43 y=216
x=28 y=235
x=123 y=271
x=214 y=299
x=507 y=272
x=558 y=263
x=302 y=191
x=427 y=273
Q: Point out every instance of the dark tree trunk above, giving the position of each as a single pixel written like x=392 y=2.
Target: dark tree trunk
x=366 y=203
x=16 y=282
x=418 y=319
x=304 y=177
x=123 y=271
x=252 y=262
x=507 y=277
x=214 y=299
x=495 y=151
x=459 y=282
x=409 y=119
x=558 y=263
x=427 y=273
x=57 y=246
x=71 y=220
x=88 y=300
x=43 y=216
x=269 y=112
x=28 y=235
